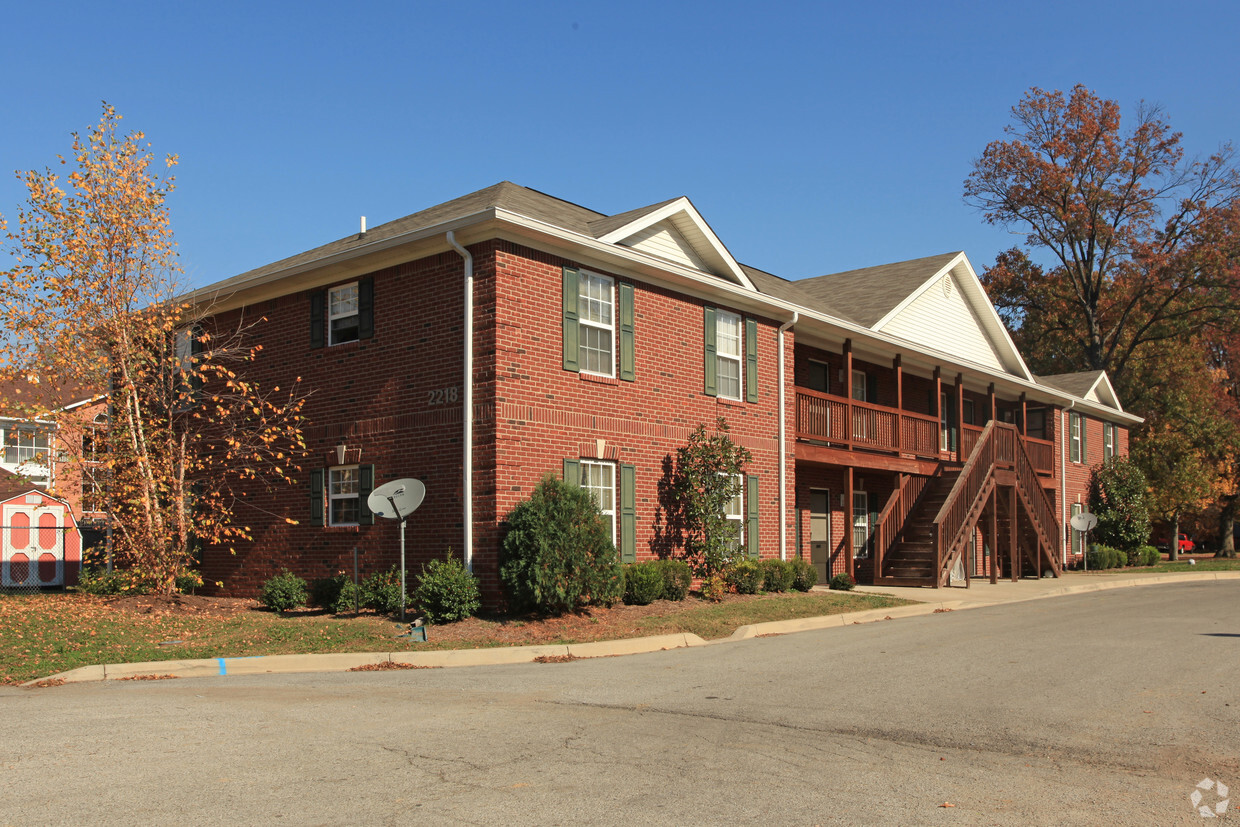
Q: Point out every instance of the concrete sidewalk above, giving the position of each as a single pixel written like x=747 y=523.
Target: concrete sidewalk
x=981 y=593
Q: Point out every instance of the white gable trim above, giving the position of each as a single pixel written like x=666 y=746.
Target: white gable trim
x=971 y=289
x=1102 y=392
x=686 y=220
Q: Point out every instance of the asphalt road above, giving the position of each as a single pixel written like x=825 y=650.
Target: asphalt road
x=1105 y=708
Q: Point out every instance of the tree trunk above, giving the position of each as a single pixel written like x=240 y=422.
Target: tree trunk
x=1174 y=546
x=1227 y=528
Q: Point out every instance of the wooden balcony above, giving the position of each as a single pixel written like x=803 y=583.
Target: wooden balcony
x=847 y=423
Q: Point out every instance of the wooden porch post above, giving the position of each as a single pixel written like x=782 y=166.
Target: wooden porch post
x=994 y=405
x=1024 y=415
x=848 y=394
x=1012 y=534
x=994 y=533
x=938 y=402
x=959 y=416
x=848 y=525
x=899 y=400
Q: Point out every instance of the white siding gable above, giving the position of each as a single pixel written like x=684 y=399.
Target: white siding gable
x=664 y=241
x=941 y=319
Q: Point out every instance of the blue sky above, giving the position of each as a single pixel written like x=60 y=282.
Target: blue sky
x=813 y=137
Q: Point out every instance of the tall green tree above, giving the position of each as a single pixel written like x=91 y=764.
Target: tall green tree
x=1128 y=243
x=705 y=480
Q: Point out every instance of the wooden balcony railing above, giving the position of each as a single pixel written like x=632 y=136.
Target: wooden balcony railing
x=823 y=417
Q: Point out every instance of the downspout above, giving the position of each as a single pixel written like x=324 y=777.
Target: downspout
x=467 y=464
x=783 y=460
x=1064 y=436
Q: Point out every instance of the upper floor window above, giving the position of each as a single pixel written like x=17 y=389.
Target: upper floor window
x=1076 y=437
x=595 y=313
x=728 y=339
x=598 y=325
x=342 y=314
x=24 y=445
x=1108 y=440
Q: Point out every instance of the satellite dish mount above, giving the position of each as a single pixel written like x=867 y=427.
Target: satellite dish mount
x=396 y=500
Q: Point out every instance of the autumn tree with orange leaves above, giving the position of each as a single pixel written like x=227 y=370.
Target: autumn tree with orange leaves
x=1127 y=242
x=93 y=302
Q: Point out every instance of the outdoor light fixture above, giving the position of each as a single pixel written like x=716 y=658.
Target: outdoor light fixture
x=340 y=452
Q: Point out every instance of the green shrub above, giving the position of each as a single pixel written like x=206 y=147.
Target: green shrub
x=643 y=583
x=325 y=591
x=446 y=592
x=745 y=576
x=1118 y=495
x=777 y=575
x=381 y=591
x=1150 y=556
x=804 y=575
x=714 y=587
x=677 y=577
x=1134 y=556
x=102 y=581
x=283 y=592
x=188 y=581
x=557 y=554
x=1104 y=557
x=842 y=582
x=345 y=599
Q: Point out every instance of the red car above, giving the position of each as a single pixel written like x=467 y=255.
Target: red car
x=1186 y=544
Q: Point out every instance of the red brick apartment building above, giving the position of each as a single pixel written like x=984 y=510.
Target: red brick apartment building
x=896 y=432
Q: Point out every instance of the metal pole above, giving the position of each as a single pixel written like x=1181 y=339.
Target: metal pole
x=402 y=571
x=356 y=608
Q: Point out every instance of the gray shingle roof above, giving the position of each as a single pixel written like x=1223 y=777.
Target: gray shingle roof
x=867 y=295
x=603 y=226
x=1077 y=384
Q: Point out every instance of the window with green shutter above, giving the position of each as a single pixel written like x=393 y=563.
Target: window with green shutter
x=751 y=515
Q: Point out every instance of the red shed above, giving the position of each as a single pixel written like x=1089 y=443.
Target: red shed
x=40 y=545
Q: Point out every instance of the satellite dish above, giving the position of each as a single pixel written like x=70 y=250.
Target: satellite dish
x=1084 y=521
x=397 y=499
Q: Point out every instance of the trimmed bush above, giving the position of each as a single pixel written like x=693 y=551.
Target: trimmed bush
x=1104 y=557
x=777 y=575
x=188 y=581
x=1134 y=556
x=745 y=576
x=325 y=591
x=381 y=591
x=446 y=592
x=557 y=554
x=677 y=577
x=1150 y=556
x=842 y=582
x=344 y=602
x=643 y=583
x=804 y=575
x=283 y=592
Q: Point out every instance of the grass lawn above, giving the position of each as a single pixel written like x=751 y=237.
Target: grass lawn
x=1203 y=564
x=41 y=635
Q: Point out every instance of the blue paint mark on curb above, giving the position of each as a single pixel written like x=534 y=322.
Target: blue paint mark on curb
x=223 y=668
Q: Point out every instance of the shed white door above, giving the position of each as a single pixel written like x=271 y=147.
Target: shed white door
x=32 y=549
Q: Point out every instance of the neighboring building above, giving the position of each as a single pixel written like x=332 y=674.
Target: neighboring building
x=40 y=545
x=871 y=400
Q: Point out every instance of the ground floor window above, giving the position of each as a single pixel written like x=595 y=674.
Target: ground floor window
x=599 y=478
x=735 y=512
x=1076 y=535
x=861 y=524
x=343 y=495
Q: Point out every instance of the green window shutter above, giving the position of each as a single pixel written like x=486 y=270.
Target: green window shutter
x=572 y=471
x=627 y=366
x=751 y=515
x=751 y=360
x=572 y=330
x=366 y=308
x=316 y=496
x=365 y=484
x=711 y=362
x=318 y=316
x=628 y=514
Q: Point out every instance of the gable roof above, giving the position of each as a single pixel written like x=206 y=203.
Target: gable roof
x=867 y=295
x=11 y=485
x=1090 y=385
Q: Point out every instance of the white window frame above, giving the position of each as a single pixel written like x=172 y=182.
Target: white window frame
x=335 y=476
x=607 y=480
x=860 y=385
x=605 y=327
x=861 y=550
x=1108 y=440
x=1074 y=438
x=333 y=314
x=724 y=318
x=734 y=511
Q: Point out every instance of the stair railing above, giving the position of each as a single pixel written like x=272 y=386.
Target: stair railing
x=895 y=513
x=952 y=518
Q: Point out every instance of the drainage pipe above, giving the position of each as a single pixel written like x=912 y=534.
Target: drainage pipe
x=467 y=465
x=783 y=451
x=1065 y=434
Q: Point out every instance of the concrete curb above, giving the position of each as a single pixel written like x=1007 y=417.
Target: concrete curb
x=288 y=664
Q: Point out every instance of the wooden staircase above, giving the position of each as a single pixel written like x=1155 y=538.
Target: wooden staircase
x=930 y=522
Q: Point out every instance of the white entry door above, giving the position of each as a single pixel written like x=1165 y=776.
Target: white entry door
x=32 y=548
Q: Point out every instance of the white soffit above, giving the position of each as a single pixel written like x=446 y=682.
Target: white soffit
x=951 y=312
x=677 y=232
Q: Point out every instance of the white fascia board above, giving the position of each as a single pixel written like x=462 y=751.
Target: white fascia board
x=683 y=206
x=1105 y=391
x=992 y=325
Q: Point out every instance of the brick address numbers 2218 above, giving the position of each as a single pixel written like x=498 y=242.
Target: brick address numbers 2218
x=441 y=396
